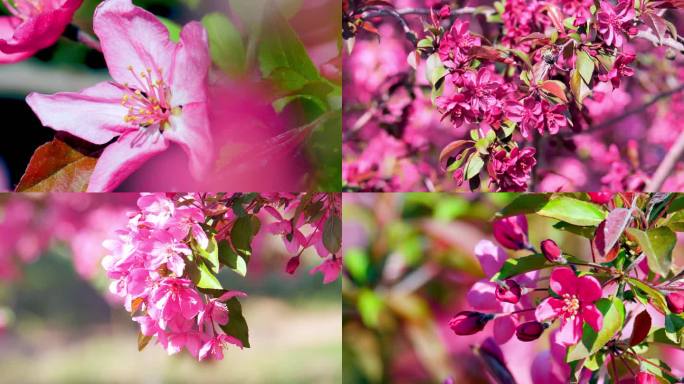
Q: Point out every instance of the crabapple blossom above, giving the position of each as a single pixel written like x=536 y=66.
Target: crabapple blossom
x=469 y=322
x=529 y=331
x=551 y=251
x=32 y=25
x=157 y=96
x=675 y=302
x=575 y=305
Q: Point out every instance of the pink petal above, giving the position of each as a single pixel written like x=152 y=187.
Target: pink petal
x=481 y=296
x=190 y=66
x=230 y=294
x=588 y=289
x=132 y=37
x=7 y=24
x=548 y=309
x=94 y=114
x=563 y=280
x=491 y=257
x=504 y=328
x=122 y=158
x=191 y=131
x=40 y=31
x=593 y=317
x=571 y=331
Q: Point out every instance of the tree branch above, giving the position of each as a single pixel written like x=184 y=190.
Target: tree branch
x=637 y=109
x=667 y=165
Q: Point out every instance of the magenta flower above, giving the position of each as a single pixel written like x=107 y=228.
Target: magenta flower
x=613 y=21
x=511 y=171
x=554 y=119
x=213 y=348
x=483 y=92
x=158 y=95
x=528 y=115
x=575 y=305
x=620 y=69
x=174 y=299
x=168 y=251
x=511 y=232
x=32 y=26
x=455 y=45
x=330 y=268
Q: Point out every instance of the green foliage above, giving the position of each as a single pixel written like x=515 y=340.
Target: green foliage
x=573 y=211
x=513 y=267
x=657 y=244
x=225 y=44
x=237 y=325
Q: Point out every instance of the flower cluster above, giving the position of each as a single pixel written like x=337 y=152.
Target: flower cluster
x=164 y=262
x=557 y=77
x=604 y=313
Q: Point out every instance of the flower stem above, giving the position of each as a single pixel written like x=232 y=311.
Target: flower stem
x=72 y=32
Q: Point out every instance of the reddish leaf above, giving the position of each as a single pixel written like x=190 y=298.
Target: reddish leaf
x=657 y=24
x=489 y=53
x=57 y=167
x=555 y=88
x=615 y=225
x=451 y=150
x=556 y=17
x=642 y=325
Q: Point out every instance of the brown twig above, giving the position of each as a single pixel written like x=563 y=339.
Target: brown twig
x=666 y=166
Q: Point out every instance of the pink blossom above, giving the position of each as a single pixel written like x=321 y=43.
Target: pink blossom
x=174 y=298
x=455 y=45
x=575 y=306
x=612 y=21
x=620 y=69
x=32 y=26
x=168 y=251
x=213 y=348
x=511 y=232
x=554 y=119
x=330 y=269
x=528 y=115
x=158 y=95
x=511 y=171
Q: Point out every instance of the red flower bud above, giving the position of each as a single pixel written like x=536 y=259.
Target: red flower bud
x=292 y=265
x=529 y=331
x=600 y=197
x=511 y=232
x=675 y=301
x=508 y=291
x=645 y=378
x=469 y=322
x=551 y=251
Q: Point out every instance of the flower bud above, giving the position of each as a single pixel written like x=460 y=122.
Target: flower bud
x=529 y=331
x=458 y=177
x=645 y=378
x=469 y=322
x=675 y=301
x=511 y=232
x=552 y=252
x=508 y=291
x=292 y=265
x=600 y=197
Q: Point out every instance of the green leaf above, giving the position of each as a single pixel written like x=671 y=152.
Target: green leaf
x=585 y=66
x=210 y=255
x=281 y=103
x=587 y=232
x=524 y=203
x=657 y=244
x=203 y=277
x=288 y=79
x=513 y=267
x=613 y=311
x=225 y=43
x=237 y=325
x=656 y=297
x=660 y=336
x=332 y=234
x=674 y=326
x=242 y=233
x=434 y=69
x=474 y=166
x=281 y=48
x=230 y=259
x=573 y=211
x=174 y=29
x=370 y=307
